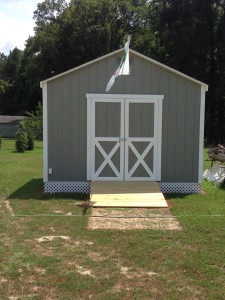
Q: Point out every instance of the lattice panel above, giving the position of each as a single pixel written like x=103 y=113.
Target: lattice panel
x=180 y=187
x=82 y=187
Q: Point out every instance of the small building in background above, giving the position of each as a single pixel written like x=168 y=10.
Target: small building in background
x=9 y=125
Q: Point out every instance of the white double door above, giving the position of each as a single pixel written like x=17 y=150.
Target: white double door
x=123 y=138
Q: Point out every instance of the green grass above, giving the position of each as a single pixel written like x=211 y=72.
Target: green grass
x=189 y=264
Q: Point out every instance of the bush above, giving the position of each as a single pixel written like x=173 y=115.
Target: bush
x=0 y=141
x=30 y=141
x=34 y=122
x=21 y=139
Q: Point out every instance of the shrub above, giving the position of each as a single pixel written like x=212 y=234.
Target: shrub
x=0 y=141
x=34 y=122
x=21 y=139
x=30 y=141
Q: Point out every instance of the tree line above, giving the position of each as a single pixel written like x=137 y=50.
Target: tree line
x=188 y=35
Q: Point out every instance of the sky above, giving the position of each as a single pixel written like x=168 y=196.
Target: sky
x=16 y=23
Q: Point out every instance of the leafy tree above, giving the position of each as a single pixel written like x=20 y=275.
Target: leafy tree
x=30 y=141
x=21 y=139
x=69 y=35
x=33 y=124
x=8 y=77
x=4 y=86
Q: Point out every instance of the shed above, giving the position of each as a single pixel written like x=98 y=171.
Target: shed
x=9 y=125
x=150 y=127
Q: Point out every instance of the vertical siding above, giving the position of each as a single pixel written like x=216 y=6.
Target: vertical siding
x=66 y=128
x=171 y=128
x=164 y=90
x=180 y=128
x=75 y=120
x=84 y=80
x=67 y=116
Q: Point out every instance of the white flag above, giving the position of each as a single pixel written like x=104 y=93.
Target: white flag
x=123 y=69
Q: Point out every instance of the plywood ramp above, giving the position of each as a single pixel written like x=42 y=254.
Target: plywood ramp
x=126 y=194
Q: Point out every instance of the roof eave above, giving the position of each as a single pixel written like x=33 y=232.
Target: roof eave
x=81 y=66
x=170 y=69
x=135 y=53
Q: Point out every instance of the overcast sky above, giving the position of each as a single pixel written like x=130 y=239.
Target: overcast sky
x=16 y=23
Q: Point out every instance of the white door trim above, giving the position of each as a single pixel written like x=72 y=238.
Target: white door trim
x=91 y=139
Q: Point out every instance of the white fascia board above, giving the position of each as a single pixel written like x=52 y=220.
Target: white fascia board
x=124 y=96
x=201 y=134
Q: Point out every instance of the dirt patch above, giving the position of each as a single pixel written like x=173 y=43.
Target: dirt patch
x=132 y=218
x=45 y=251
x=51 y=238
x=203 y=192
x=81 y=270
x=129 y=276
x=77 y=243
x=9 y=208
x=169 y=203
x=95 y=256
x=59 y=212
x=40 y=271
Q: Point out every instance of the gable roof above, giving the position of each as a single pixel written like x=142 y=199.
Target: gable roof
x=132 y=52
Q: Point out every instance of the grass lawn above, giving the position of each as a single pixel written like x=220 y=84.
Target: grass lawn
x=77 y=263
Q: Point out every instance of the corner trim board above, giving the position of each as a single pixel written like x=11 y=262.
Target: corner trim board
x=201 y=134
x=45 y=131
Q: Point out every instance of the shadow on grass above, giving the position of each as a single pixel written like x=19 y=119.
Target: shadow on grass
x=34 y=189
x=170 y=196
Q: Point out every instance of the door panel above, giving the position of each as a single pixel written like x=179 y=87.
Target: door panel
x=108 y=127
x=141 y=116
x=107 y=119
x=140 y=140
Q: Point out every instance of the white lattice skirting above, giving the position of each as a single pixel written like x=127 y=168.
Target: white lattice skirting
x=82 y=187
x=180 y=187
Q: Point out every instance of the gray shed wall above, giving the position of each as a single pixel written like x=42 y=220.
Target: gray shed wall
x=67 y=117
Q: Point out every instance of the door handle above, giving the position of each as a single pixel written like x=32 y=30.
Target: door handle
x=122 y=139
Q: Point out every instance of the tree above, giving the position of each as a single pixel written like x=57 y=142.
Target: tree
x=69 y=35
x=8 y=77
x=4 y=86
x=33 y=124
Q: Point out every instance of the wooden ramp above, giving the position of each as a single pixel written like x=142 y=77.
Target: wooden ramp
x=126 y=194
